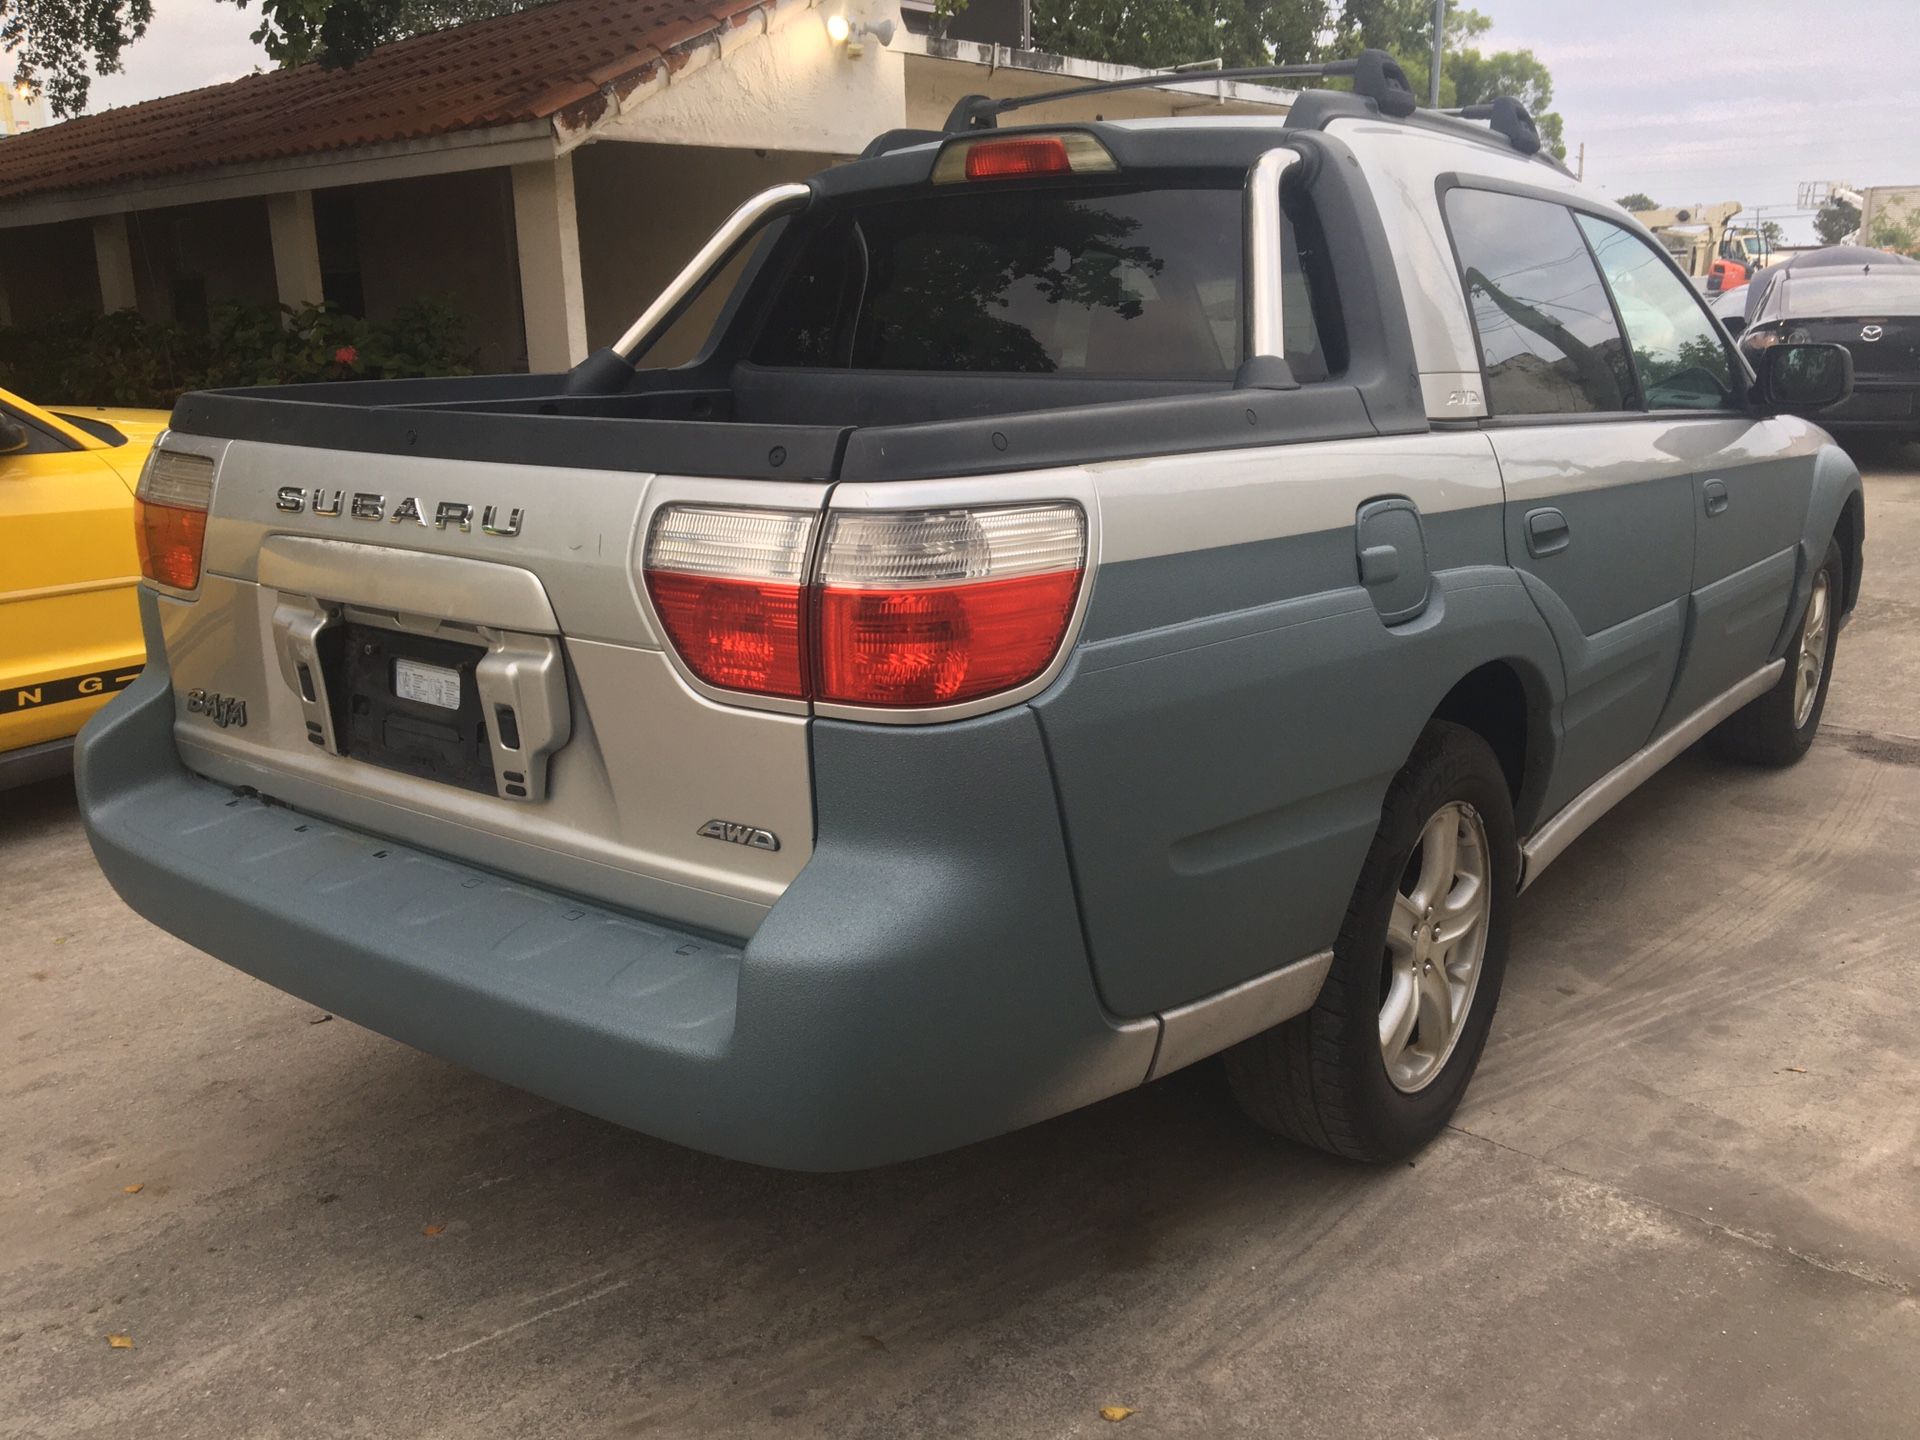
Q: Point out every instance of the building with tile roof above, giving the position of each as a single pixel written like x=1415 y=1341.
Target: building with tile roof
x=547 y=171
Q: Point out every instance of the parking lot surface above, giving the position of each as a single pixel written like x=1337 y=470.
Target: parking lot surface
x=1682 y=1197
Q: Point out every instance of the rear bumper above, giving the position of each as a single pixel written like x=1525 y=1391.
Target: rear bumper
x=1877 y=404
x=923 y=983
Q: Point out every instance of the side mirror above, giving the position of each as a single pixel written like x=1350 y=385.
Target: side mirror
x=1801 y=378
x=13 y=435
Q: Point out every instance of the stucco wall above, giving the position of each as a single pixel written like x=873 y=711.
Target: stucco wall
x=45 y=269
x=933 y=85
x=791 y=88
x=645 y=209
x=450 y=236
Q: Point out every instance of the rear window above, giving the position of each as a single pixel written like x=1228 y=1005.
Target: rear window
x=1812 y=294
x=1072 y=281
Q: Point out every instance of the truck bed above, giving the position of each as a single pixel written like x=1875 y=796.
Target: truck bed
x=752 y=422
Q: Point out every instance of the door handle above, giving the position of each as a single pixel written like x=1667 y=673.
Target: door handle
x=1547 y=532
x=1717 y=498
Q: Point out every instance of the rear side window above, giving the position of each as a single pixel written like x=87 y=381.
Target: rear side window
x=1116 y=280
x=1548 y=339
x=1677 y=354
x=40 y=440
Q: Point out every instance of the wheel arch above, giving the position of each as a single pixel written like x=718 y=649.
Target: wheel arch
x=1851 y=532
x=1507 y=702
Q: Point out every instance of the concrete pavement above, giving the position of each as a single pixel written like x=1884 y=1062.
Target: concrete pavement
x=1682 y=1198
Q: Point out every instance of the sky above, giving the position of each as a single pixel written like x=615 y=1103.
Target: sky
x=1705 y=101
x=1690 y=101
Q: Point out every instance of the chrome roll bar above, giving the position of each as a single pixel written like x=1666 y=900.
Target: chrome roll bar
x=1266 y=328
x=735 y=231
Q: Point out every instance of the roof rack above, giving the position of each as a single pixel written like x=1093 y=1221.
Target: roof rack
x=1506 y=117
x=1376 y=75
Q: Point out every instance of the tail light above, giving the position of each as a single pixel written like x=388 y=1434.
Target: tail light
x=934 y=607
x=901 y=610
x=730 y=587
x=170 y=517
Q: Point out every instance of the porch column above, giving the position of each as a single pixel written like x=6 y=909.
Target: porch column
x=296 y=248
x=113 y=256
x=547 y=231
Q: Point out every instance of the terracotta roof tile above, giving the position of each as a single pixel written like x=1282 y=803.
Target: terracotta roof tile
x=527 y=66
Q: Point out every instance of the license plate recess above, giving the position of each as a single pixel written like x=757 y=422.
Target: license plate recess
x=420 y=736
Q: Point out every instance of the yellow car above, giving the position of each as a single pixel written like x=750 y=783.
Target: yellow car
x=69 y=624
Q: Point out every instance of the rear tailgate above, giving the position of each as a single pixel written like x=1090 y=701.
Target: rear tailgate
x=458 y=655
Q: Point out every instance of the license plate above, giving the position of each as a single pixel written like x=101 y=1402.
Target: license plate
x=426 y=684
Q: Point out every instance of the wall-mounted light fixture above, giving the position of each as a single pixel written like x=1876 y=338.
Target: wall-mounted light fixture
x=854 y=35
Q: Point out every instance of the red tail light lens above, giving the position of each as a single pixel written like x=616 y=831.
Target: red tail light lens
x=937 y=607
x=942 y=644
x=736 y=634
x=730 y=588
x=905 y=610
x=1012 y=159
x=170 y=517
x=170 y=541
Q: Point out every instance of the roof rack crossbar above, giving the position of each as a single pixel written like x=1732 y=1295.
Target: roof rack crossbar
x=1376 y=75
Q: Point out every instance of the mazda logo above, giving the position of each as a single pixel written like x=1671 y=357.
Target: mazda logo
x=1871 y=332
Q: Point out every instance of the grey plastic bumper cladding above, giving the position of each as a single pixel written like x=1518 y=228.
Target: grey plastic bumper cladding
x=921 y=985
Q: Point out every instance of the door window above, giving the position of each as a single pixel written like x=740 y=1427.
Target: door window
x=1681 y=362
x=1548 y=339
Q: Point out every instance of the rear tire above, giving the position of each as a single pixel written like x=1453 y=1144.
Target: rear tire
x=1778 y=728
x=1375 y=1069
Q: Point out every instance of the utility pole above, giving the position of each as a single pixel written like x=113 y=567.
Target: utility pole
x=1580 y=165
x=1439 y=50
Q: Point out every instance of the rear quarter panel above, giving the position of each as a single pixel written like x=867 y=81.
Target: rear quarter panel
x=1225 y=732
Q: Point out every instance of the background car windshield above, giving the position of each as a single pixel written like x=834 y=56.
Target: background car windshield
x=1053 y=280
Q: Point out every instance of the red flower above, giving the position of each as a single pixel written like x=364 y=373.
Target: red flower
x=346 y=355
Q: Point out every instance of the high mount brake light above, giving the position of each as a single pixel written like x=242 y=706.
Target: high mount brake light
x=900 y=610
x=1011 y=159
x=1019 y=157
x=170 y=517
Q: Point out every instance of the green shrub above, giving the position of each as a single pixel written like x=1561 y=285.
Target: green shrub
x=124 y=359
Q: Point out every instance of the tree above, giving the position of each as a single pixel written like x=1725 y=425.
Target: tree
x=1836 y=220
x=1404 y=28
x=1897 y=233
x=55 y=39
x=1159 y=34
x=59 y=45
x=1638 y=200
x=340 y=32
x=1773 y=234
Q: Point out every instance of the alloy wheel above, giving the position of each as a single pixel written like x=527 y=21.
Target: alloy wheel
x=1436 y=939
x=1813 y=650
